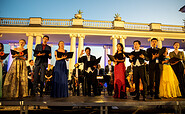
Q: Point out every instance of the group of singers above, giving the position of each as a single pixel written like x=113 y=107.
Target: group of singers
x=166 y=79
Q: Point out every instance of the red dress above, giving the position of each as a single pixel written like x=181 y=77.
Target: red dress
x=119 y=78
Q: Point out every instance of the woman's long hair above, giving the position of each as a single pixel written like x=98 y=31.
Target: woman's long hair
x=121 y=47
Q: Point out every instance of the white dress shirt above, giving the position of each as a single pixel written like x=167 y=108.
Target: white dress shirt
x=89 y=68
x=110 y=69
x=137 y=61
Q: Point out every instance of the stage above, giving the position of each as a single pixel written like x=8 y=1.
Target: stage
x=98 y=101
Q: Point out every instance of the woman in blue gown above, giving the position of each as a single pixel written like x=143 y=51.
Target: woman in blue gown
x=60 y=79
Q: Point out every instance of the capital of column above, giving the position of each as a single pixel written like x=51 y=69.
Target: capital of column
x=114 y=37
x=118 y=37
x=160 y=39
x=73 y=35
x=122 y=37
x=81 y=36
x=106 y=47
x=38 y=34
x=29 y=34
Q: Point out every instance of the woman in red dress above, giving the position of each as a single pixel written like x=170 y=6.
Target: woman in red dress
x=119 y=73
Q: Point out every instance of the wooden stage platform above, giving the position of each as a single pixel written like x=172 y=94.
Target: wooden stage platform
x=99 y=101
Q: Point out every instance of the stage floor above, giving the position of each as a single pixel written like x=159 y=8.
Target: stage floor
x=98 y=101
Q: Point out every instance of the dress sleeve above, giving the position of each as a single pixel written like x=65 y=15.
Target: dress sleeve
x=171 y=55
x=183 y=57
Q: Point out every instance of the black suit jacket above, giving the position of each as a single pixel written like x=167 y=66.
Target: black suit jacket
x=107 y=69
x=42 y=59
x=83 y=59
x=29 y=70
x=136 y=56
x=152 y=63
x=101 y=72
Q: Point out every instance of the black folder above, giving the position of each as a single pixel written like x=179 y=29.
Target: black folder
x=174 y=59
x=111 y=57
x=4 y=56
x=13 y=52
x=68 y=54
x=127 y=54
x=92 y=63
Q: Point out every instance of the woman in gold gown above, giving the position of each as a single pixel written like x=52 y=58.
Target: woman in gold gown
x=169 y=84
x=16 y=80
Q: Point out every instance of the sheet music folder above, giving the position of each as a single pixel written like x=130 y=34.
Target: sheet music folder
x=68 y=54
x=92 y=63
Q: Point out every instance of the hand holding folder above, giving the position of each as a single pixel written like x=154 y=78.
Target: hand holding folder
x=42 y=53
x=174 y=60
x=24 y=52
x=68 y=54
x=3 y=55
x=93 y=63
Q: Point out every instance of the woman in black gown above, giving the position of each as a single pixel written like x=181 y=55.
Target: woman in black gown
x=178 y=67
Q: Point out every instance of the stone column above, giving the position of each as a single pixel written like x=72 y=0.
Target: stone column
x=122 y=40
x=106 y=51
x=114 y=43
x=38 y=38
x=29 y=45
x=80 y=43
x=72 y=49
x=160 y=42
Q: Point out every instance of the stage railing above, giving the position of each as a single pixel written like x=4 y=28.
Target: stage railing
x=14 y=21
x=89 y=24
x=56 y=22
x=97 y=24
x=172 y=28
x=137 y=26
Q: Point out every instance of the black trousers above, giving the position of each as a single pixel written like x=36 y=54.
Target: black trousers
x=110 y=85
x=75 y=89
x=154 y=76
x=139 y=72
x=42 y=69
x=90 y=80
x=30 y=87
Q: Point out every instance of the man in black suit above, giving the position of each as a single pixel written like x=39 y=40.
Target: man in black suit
x=137 y=57
x=100 y=71
x=89 y=72
x=30 y=76
x=109 y=72
x=42 y=53
x=154 y=70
